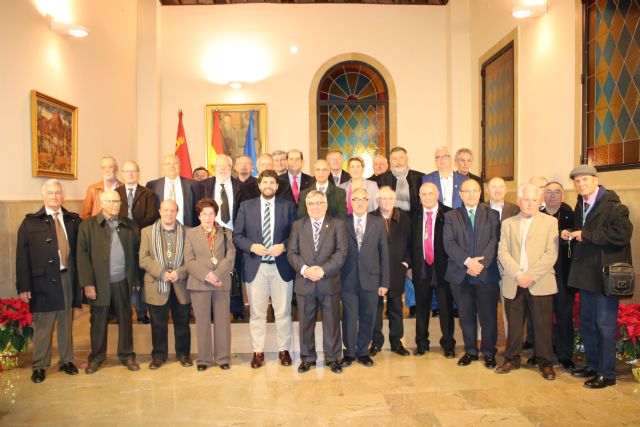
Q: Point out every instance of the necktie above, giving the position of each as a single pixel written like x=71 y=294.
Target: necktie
x=267 y=240
x=585 y=211
x=172 y=191
x=130 y=201
x=428 y=239
x=295 y=188
x=472 y=217
x=63 y=245
x=336 y=179
x=224 y=205
x=359 y=232
x=322 y=188
x=316 y=233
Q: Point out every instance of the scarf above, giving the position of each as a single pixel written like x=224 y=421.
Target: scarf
x=158 y=251
x=403 y=196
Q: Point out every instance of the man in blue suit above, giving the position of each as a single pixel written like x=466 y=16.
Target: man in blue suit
x=447 y=181
x=261 y=231
x=471 y=235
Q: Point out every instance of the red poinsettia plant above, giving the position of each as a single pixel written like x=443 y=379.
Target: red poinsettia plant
x=628 y=340
x=15 y=323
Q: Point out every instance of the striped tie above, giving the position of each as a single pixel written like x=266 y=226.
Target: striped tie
x=266 y=230
x=316 y=233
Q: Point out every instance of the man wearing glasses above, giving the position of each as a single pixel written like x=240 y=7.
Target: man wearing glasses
x=447 y=181
x=108 y=271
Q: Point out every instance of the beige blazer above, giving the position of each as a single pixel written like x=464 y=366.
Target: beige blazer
x=152 y=270
x=542 y=253
x=197 y=258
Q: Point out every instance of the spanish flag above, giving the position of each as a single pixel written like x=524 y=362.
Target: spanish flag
x=182 y=151
x=215 y=147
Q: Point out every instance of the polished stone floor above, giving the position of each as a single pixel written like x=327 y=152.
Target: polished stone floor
x=396 y=391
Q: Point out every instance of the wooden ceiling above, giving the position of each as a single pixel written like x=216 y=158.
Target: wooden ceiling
x=216 y=2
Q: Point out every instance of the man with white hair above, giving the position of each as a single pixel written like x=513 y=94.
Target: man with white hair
x=109 y=181
x=447 y=181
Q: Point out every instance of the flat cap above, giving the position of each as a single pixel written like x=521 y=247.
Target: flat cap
x=583 y=170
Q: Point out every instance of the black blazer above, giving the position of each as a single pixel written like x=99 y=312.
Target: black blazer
x=143 y=211
x=414 y=178
x=565 y=218
x=190 y=193
x=209 y=186
x=336 y=201
x=344 y=177
x=399 y=249
x=284 y=186
x=440 y=257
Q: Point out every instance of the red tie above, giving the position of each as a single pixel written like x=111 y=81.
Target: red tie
x=295 y=188
x=428 y=241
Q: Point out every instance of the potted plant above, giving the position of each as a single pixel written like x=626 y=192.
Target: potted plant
x=15 y=331
x=628 y=339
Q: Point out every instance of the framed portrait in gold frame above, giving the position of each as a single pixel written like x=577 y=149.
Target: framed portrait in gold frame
x=54 y=137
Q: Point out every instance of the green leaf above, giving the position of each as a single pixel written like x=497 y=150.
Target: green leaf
x=17 y=341
x=4 y=340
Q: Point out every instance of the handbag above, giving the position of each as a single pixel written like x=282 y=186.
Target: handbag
x=619 y=279
x=236 y=280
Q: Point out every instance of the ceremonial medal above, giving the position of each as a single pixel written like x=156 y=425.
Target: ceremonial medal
x=426 y=235
x=214 y=260
x=168 y=253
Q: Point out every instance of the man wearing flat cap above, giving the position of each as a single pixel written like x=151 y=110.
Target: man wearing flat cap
x=601 y=235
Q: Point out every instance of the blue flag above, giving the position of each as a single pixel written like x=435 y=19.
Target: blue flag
x=250 y=145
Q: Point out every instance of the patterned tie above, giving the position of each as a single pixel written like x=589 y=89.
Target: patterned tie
x=359 y=232
x=224 y=205
x=63 y=245
x=316 y=233
x=172 y=191
x=130 y=202
x=336 y=179
x=472 y=217
x=267 y=240
x=295 y=188
x=428 y=239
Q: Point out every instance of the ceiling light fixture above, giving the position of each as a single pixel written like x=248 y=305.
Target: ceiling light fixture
x=530 y=8
x=235 y=85
x=68 y=29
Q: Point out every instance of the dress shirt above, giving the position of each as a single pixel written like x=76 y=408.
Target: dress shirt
x=321 y=187
x=497 y=207
x=298 y=178
x=179 y=197
x=433 y=226
x=446 y=185
x=228 y=188
x=61 y=220
x=364 y=223
x=525 y=224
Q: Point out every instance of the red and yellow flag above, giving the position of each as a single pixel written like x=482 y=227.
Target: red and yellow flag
x=182 y=150
x=215 y=147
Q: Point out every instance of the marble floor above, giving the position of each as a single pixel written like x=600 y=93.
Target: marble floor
x=396 y=391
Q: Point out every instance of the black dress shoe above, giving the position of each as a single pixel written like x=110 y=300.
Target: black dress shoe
x=305 y=366
x=449 y=353
x=567 y=364
x=365 y=360
x=202 y=367
x=37 y=376
x=347 y=361
x=412 y=311
x=92 y=368
x=400 y=350
x=435 y=313
x=225 y=367
x=533 y=361
x=490 y=362
x=144 y=320
x=336 y=367
x=69 y=368
x=466 y=359
x=374 y=349
x=420 y=350
x=583 y=373
x=599 y=381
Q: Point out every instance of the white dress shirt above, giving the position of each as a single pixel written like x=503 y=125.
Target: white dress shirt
x=446 y=185
x=497 y=207
x=179 y=197
x=228 y=188
x=61 y=221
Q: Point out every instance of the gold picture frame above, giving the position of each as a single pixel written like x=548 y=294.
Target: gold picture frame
x=234 y=121
x=54 y=137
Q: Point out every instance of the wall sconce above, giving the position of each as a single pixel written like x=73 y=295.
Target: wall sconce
x=68 y=29
x=530 y=9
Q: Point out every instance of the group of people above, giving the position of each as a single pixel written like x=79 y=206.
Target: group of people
x=340 y=242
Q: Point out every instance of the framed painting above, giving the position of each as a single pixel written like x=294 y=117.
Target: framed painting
x=227 y=126
x=54 y=137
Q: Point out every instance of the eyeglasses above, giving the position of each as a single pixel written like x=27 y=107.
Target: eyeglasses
x=472 y=191
x=444 y=156
x=315 y=203
x=359 y=199
x=112 y=202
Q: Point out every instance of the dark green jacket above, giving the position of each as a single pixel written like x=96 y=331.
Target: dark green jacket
x=94 y=247
x=336 y=201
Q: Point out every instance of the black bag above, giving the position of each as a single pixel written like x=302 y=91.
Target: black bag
x=236 y=280
x=618 y=279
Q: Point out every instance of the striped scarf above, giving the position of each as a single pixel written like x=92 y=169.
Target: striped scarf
x=158 y=251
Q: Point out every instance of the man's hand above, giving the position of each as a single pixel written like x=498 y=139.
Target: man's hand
x=382 y=292
x=474 y=267
x=577 y=235
x=259 y=249
x=276 y=250
x=90 y=292
x=25 y=296
x=525 y=280
x=565 y=235
x=314 y=273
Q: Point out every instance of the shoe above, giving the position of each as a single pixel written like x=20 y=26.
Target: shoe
x=400 y=350
x=568 y=365
x=69 y=368
x=548 y=373
x=490 y=362
x=285 y=358
x=155 y=364
x=336 y=367
x=412 y=311
x=435 y=313
x=374 y=349
x=144 y=319
x=466 y=359
x=92 y=368
x=131 y=365
x=257 y=360
x=347 y=361
x=305 y=366
x=225 y=367
x=455 y=313
x=366 y=361
x=533 y=361
x=37 y=376
x=449 y=353
x=507 y=367
x=527 y=345
x=583 y=373
x=420 y=350
x=238 y=317
x=599 y=381
x=202 y=367
x=185 y=361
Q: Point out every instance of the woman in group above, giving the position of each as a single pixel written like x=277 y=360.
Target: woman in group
x=356 y=169
x=209 y=255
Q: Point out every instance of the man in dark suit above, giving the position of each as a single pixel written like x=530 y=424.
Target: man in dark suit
x=336 y=196
x=47 y=279
x=294 y=181
x=429 y=264
x=447 y=181
x=404 y=181
x=464 y=161
x=365 y=277
x=261 y=231
x=335 y=160
x=186 y=192
x=471 y=235
x=317 y=250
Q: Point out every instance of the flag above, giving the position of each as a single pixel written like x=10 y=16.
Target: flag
x=182 y=150
x=215 y=147
x=250 y=145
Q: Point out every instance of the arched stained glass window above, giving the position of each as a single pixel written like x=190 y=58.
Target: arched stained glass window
x=353 y=112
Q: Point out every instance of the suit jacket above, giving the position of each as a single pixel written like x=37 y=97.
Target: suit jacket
x=197 y=258
x=508 y=210
x=208 y=189
x=144 y=210
x=461 y=242
x=440 y=257
x=366 y=269
x=38 y=262
x=372 y=190
x=414 y=178
x=191 y=193
x=336 y=201
x=331 y=254
x=284 y=186
x=399 y=249
x=91 y=204
x=542 y=253
x=458 y=179
x=153 y=269
x=249 y=189
x=565 y=216
x=344 y=177
x=248 y=230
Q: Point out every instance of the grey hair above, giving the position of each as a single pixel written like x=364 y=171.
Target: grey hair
x=278 y=153
x=224 y=156
x=463 y=151
x=525 y=188
x=51 y=182
x=314 y=193
x=386 y=190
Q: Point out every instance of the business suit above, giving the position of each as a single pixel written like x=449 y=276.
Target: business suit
x=331 y=255
x=458 y=179
x=191 y=193
x=204 y=296
x=336 y=201
x=344 y=177
x=426 y=277
x=285 y=190
x=365 y=270
x=508 y=210
x=541 y=246
x=144 y=209
x=372 y=190
x=414 y=179
x=477 y=297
